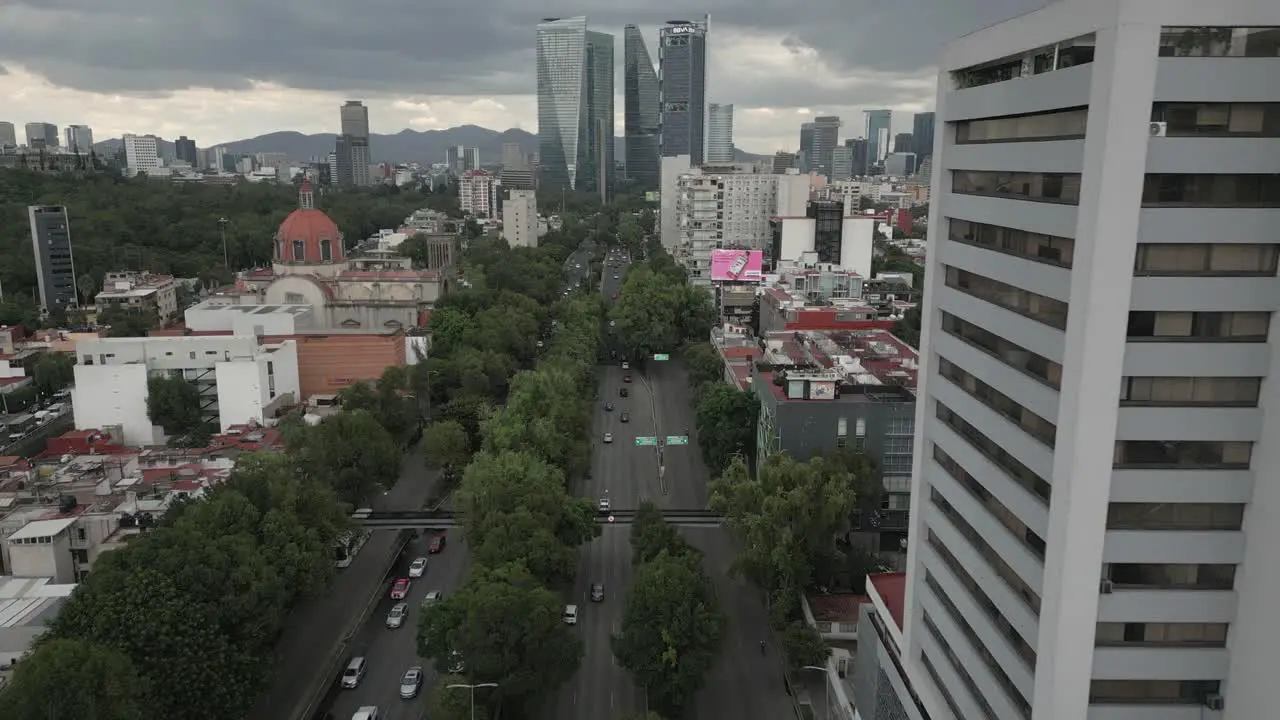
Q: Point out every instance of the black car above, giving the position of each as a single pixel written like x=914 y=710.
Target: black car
x=597 y=592
x=608 y=407
x=625 y=417
x=623 y=392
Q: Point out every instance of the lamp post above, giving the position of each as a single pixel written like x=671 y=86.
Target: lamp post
x=222 y=228
x=826 y=685
x=472 y=687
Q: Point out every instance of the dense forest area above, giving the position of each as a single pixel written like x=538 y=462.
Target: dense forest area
x=120 y=223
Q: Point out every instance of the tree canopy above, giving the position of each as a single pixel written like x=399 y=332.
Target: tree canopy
x=657 y=310
x=726 y=422
x=181 y=622
x=785 y=517
x=352 y=453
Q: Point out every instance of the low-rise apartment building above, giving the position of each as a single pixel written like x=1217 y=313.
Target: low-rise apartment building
x=882 y=689
x=141 y=292
x=240 y=379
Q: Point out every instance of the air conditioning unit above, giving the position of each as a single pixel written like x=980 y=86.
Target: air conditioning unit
x=1159 y=129
x=1106 y=586
x=1213 y=701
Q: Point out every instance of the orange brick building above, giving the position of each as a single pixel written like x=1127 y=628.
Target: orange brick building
x=328 y=363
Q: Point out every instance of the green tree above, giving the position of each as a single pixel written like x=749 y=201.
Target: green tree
x=546 y=414
x=358 y=395
x=646 y=306
x=785 y=518
x=69 y=679
x=704 y=364
x=868 y=482
x=508 y=630
x=454 y=703
x=53 y=372
x=446 y=445
x=123 y=321
x=726 y=419
x=514 y=508
x=173 y=403
x=671 y=631
x=651 y=535
x=803 y=645
x=87 y=286
x=351 y=453
x=907 y=328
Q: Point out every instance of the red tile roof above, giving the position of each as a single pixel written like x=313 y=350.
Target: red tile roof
x=841 y=608
x=892 y=588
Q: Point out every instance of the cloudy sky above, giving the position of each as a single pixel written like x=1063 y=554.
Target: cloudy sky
x=229 y=69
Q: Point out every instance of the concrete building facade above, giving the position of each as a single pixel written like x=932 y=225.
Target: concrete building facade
x=520 y=218
x=55 y=263
x=1094 y=519
x=719 y=133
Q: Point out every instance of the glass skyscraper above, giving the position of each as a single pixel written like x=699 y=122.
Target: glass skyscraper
x=878 y=122
x=682 y=84
x=643 y=110
x=575 y=105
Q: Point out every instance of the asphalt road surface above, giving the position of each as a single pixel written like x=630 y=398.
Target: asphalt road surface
x=744 y=684
x=389 y=652
x=315 y=631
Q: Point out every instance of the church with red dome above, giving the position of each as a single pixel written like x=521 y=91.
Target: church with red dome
x=373 y=291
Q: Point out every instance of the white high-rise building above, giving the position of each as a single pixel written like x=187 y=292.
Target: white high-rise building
x=475 y=193
x=520 y=219
x=1095 y=512
x=721 y=207
x=719 y=133
x=142 y=153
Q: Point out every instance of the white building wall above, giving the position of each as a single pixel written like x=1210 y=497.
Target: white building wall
x=44 y=561
x=1107 y=224
x=719 y=133
x=797 y=239
x=520 y=219
x=856 y=245
x=793 y=194
x=669 y=173
x=141 y=153
x=106 y=395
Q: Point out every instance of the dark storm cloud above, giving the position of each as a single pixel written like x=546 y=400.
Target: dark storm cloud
x=433 y=47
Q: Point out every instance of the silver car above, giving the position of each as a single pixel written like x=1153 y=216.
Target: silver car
x=396 y=617
x=418 y=568
x=411 y=683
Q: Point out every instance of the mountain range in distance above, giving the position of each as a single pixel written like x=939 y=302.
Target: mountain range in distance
x=427 y=146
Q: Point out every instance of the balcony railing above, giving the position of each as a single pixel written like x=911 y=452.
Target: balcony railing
x=880 y=520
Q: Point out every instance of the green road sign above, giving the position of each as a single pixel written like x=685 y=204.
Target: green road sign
x=661 y=356
x=677 y=439
x=646 y=440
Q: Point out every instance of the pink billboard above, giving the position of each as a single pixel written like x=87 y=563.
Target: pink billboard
x=737 y=265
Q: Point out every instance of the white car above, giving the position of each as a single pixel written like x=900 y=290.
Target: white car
x=411 y=683
x=608 y=437
x=418 y=568
x=399 y=612
x=626 y=365
x=603 y=505
x=570 y=614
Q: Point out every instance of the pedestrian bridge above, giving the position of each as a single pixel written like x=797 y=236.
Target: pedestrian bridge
x=445 y=519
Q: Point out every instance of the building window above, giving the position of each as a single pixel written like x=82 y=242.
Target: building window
x=1190 y=391
x=976 y=692
x=980 y=648
x=1049 y=249
x=1039 y=187
x=299 y=250
x=1058 y=125
x=980 y=598
x=988 y=553
x=1019 y=473
x=326 y=250
x=1220 y=42
x=1218 y=119
x=292 y=298
x=80 y=533
x=1037 y=307
x=1007 y=352
x=1175 y=516
x=1198 y=259
x=1205 y=190
x=1151 y=692
x=998 y=510
x=1199 y=326
x=1031 y=423
x=1182 y=455
x=1158 y=576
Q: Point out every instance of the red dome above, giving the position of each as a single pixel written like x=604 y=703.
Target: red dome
x=308 y=236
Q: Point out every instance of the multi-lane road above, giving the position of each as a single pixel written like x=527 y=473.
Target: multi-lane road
x=744 y=683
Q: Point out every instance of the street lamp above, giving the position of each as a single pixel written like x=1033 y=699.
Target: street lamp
x=826 y=685
x=472 y=687
x=222 y=228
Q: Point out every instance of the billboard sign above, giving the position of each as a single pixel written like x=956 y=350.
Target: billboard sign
x=737 y=265
x=652 y=196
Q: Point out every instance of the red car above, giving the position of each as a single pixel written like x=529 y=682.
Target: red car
x=400 y=590
x=437 y=544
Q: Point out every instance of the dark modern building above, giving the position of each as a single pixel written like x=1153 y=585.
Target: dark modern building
x=828 y=229
x=682 y=88
x=575 y=106
x=858 y=154
x=922 y=134
x=597 y=175
x=826 y=133
x=904 y=143
x=352 y=146
x=42 y=135
x=878 y=140
x=784 y=161
x=55 y=268
x=184 y=148
x=806 y=147
x=643 y=110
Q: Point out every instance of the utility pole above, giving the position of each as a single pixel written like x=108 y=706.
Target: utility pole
x=472 y=687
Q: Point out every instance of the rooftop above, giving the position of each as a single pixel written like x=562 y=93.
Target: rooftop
x=892 y=589
x=853 y=357
x=26 y=607
x=42 y=528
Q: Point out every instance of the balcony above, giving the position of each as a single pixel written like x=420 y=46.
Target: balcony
x=879 y=520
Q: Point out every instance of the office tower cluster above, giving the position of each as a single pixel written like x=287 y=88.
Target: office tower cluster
x=877 y=152
x=666 y=113
x=75 y=139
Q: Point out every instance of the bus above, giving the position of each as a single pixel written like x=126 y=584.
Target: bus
x=346 y=547
x=20 y=425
